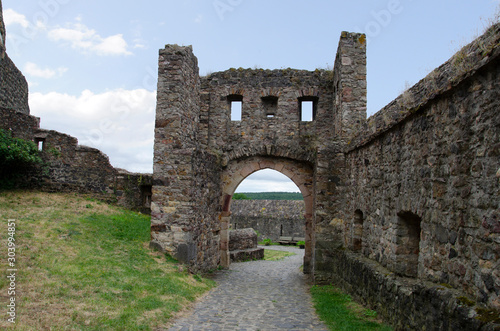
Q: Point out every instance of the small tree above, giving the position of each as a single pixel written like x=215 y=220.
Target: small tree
x=17 y=156
x=240 y=196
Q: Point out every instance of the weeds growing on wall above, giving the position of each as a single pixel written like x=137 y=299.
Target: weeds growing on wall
x=17 y=157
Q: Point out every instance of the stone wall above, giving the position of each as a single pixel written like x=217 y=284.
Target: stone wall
x=21 y=125
x=194 y=124
x=13 y=85
x=186 y=189
x=423 y=198
x=406 y=303
x=67 y=165
x=407 y=199
x=2 y=33
x=270 y=218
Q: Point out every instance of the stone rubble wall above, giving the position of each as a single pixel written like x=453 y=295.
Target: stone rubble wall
x=242 y=239
x=67 y=165
x=2 y=32
x=13 y=87
x=270 y=218
x=186 y=188
x=412 y=190
x=243 y=245
x=426 y=169
x=408 y=304
x=193 y=123
x=21 y=125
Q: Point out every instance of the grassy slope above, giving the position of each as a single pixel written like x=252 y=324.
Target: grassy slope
x=83 y=264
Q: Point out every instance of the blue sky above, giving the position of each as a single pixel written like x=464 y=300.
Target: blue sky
x=91 y=65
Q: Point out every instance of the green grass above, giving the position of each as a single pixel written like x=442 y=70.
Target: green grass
x=339 y=312
x=273 y=255
x=86 y=265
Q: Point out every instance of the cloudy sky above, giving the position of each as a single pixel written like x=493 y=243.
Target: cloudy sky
x=91 y=65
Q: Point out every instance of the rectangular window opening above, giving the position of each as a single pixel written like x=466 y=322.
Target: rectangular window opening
x=236 y=107
x=306 y=111
x=39 y=144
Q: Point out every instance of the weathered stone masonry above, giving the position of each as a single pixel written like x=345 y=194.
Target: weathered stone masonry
x=67 y=165
x=271 y=218
x=423 y=199
x=400 y=209
x=194 y=131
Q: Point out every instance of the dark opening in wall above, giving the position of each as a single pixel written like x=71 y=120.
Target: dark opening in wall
x=357 y=235
x=307 y=108
x=146 y=194
x=39 y=143
x=270 y=105
x=236 y=105
x=408 y=230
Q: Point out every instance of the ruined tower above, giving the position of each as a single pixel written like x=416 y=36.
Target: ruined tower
x=203 y=150
x=395 y=205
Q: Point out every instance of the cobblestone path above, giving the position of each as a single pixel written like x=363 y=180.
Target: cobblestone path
x=257 y=295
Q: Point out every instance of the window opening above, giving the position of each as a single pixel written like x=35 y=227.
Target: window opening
x=236 y=110
x=307 y=108
x=146 y=193
x=39 y=143
x=236 y=106
x=270 y=104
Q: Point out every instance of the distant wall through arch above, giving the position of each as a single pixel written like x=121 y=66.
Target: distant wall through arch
x=301 y=173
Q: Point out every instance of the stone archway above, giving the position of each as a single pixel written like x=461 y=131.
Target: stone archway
x=301 y=173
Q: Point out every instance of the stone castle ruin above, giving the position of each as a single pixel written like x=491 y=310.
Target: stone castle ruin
x=401 y=209
x=68 y=165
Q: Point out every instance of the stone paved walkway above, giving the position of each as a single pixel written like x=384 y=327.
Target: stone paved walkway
x=257 y=295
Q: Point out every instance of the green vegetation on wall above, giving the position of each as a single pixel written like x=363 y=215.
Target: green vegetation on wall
x=17 y=156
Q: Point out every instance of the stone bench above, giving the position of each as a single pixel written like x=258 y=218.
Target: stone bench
x=290 y=240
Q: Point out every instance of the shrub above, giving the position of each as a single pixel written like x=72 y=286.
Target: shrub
x=17 y=156
x=267 y=242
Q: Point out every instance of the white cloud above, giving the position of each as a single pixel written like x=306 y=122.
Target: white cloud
x=140 y=43
x=81 y=37
x=119 y=122
x=198 y=19
x=32 y=69
x=267 y=180
x=11 y=17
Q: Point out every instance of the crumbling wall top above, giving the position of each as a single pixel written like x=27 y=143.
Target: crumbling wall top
x=467 y=61
x=2 y=32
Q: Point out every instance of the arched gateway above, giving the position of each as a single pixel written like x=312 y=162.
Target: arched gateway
x=301 y=173
x=212 y=132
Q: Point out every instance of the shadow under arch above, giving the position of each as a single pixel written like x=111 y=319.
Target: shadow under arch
x=300 y=172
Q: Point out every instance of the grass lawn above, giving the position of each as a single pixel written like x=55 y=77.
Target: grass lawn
x=274 y=255
x=339 y=312
x=86 y=265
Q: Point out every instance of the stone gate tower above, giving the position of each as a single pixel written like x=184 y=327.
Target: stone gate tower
x=203 y=150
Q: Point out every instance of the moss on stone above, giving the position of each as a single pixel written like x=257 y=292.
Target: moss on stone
x=465 y=301
x=487 y=315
